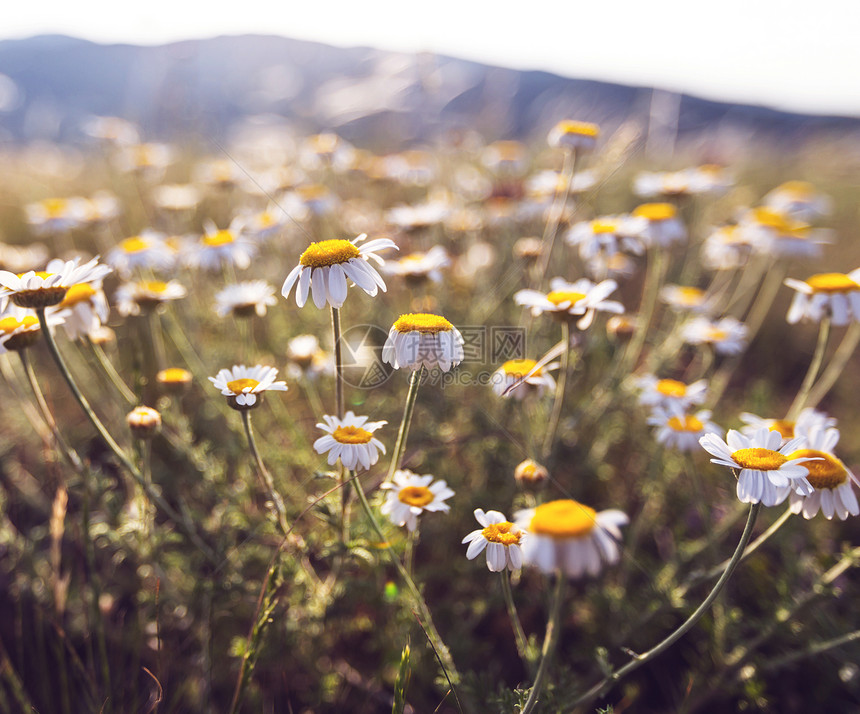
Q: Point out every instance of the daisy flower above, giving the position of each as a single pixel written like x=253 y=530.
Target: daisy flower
x=727 y=336
x=570 y=536
x=774 y=233
x=499 y=537
x=149 y=159
x=146 y=295
x=245 y=299
x=684 y=298
x=832 y=481
x=536 y=381
x=808 y=420
x=176 y=198
x=660 y=225
x=726 y=248
x=265 y=224
x=575 y=135
x=768 y=471
x=56 y=215
x=325 y=266
x=243 y=385
x=48 y=287
x=305 y=358
x=682 y=431
x=608 y=235
x=410 y=495
x=86 y=309
x=569 y=300
x=144 y=422
x=174 y=379
x=218 y=247
x=417 y=268
x=19 y=327
x=670 y=394
x=351 y=440
x=421 y=339
x=836 y=295
x=799 y=200
x=530 y=475
x=147 y=251
x=409 y=218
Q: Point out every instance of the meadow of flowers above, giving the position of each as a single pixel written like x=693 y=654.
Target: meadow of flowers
x=471 y=427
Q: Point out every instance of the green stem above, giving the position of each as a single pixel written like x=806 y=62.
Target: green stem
x=553 y=626
x=277 y=501
x=637 y=661
x=555 y=415
x=439 y=645
x=836 y=366
x=568 y=171
x=111 y=372
x=338 y=362
x=408 y=409
x=156 y=497
x=656 y=272
x=525 y=651
x=814 y=365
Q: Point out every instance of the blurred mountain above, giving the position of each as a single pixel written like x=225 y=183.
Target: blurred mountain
x=196 y=90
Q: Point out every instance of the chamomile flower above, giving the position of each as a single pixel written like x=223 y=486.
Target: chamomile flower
x=534 y=381
x=774 y=233
x=727 y=336
x=500 y=538
x=575 y=135
x=410 y=495
x=174 y=379
x=570 y=536
x=682 y=431
x=607 y=235
x=684 y=298
x=325 y=267
x=351 y=440
x=660 y=225
x=832 y=481
x=568 y=301
x=418 y=268
x=219 y=247
x=147 y=251
x=245 y=299
x=48 y=287
x=670 y=394
x=808 y=420
x=244 y=386
x=422 y=339
x=768 y=469
x=146 y=295
x=56 y=215
x=19 y=327
x=86 y=308
x=835 y=295
x=726 y=248
x=799 y=200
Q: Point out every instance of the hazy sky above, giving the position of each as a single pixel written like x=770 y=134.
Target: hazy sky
x=793 y=55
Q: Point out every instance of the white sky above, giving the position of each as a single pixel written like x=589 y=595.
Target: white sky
x=795 y=55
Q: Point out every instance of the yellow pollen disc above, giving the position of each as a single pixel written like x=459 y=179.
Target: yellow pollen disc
x=784 y=428
x=153 y=286
x=831 y=283
x=134 y=245
x=55 y=207
x=655 y=211
x=563 y=519
x=422 y=322
x=686 y=423
x=412 y=258
x=237 y=386
x=603 y=226
x=580 y=128
x=501 y=533
x=671 y=388
x=772 y=219
x=351 y=435
x=328 y=252
x=174 y=375
x=415 y=496
x=714 y=334
x=828 y=472
x=39 y=274
x=559 y=297
x=690 y=297
x=312 y=191
x=10 y=324
x=224 y=237
x=759 y=459
x=77 y=294
x=266 y=220
x=519 y=368
x=797 y=189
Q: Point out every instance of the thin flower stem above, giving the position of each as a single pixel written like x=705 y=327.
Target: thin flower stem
x=814 y=365
x=553 y=626
x=156 y=497
x=836 y=365
x=527 y=655
x=439 y=645
x=402 y=433
x=111 y=372
x=656 y=272
x=637 y=661
x=338 y=362
x=560 y=385
x=277 y=501
x=568 y=171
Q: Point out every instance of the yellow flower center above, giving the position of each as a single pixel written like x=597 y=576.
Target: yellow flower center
x=771 y=219
x=218 y=238
x=415 y=496
x=559 y=297
x=784 y=428
x=688 y=297
x=602 y=226
x=55 y=207
x=715 y=334
x=563 y=519
x=502 y=533
x=422 y=322
x=351 y=435
x=519 y=368
x=39 y=274
x=831 y=283
x=174 y=375
x=237 y=386
x=686 y=423
x=581 y=128
x=671 y=388
x=328 y=252
x=153 y=286
x=312 y=191
x=827 y=472
x=655 y=211
x=797 y=189
x=10 y=324
x=82 y=292
x=134 y=245
x=759 y=459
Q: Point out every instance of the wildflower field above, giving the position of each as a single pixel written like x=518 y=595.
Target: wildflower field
x=471 y=427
